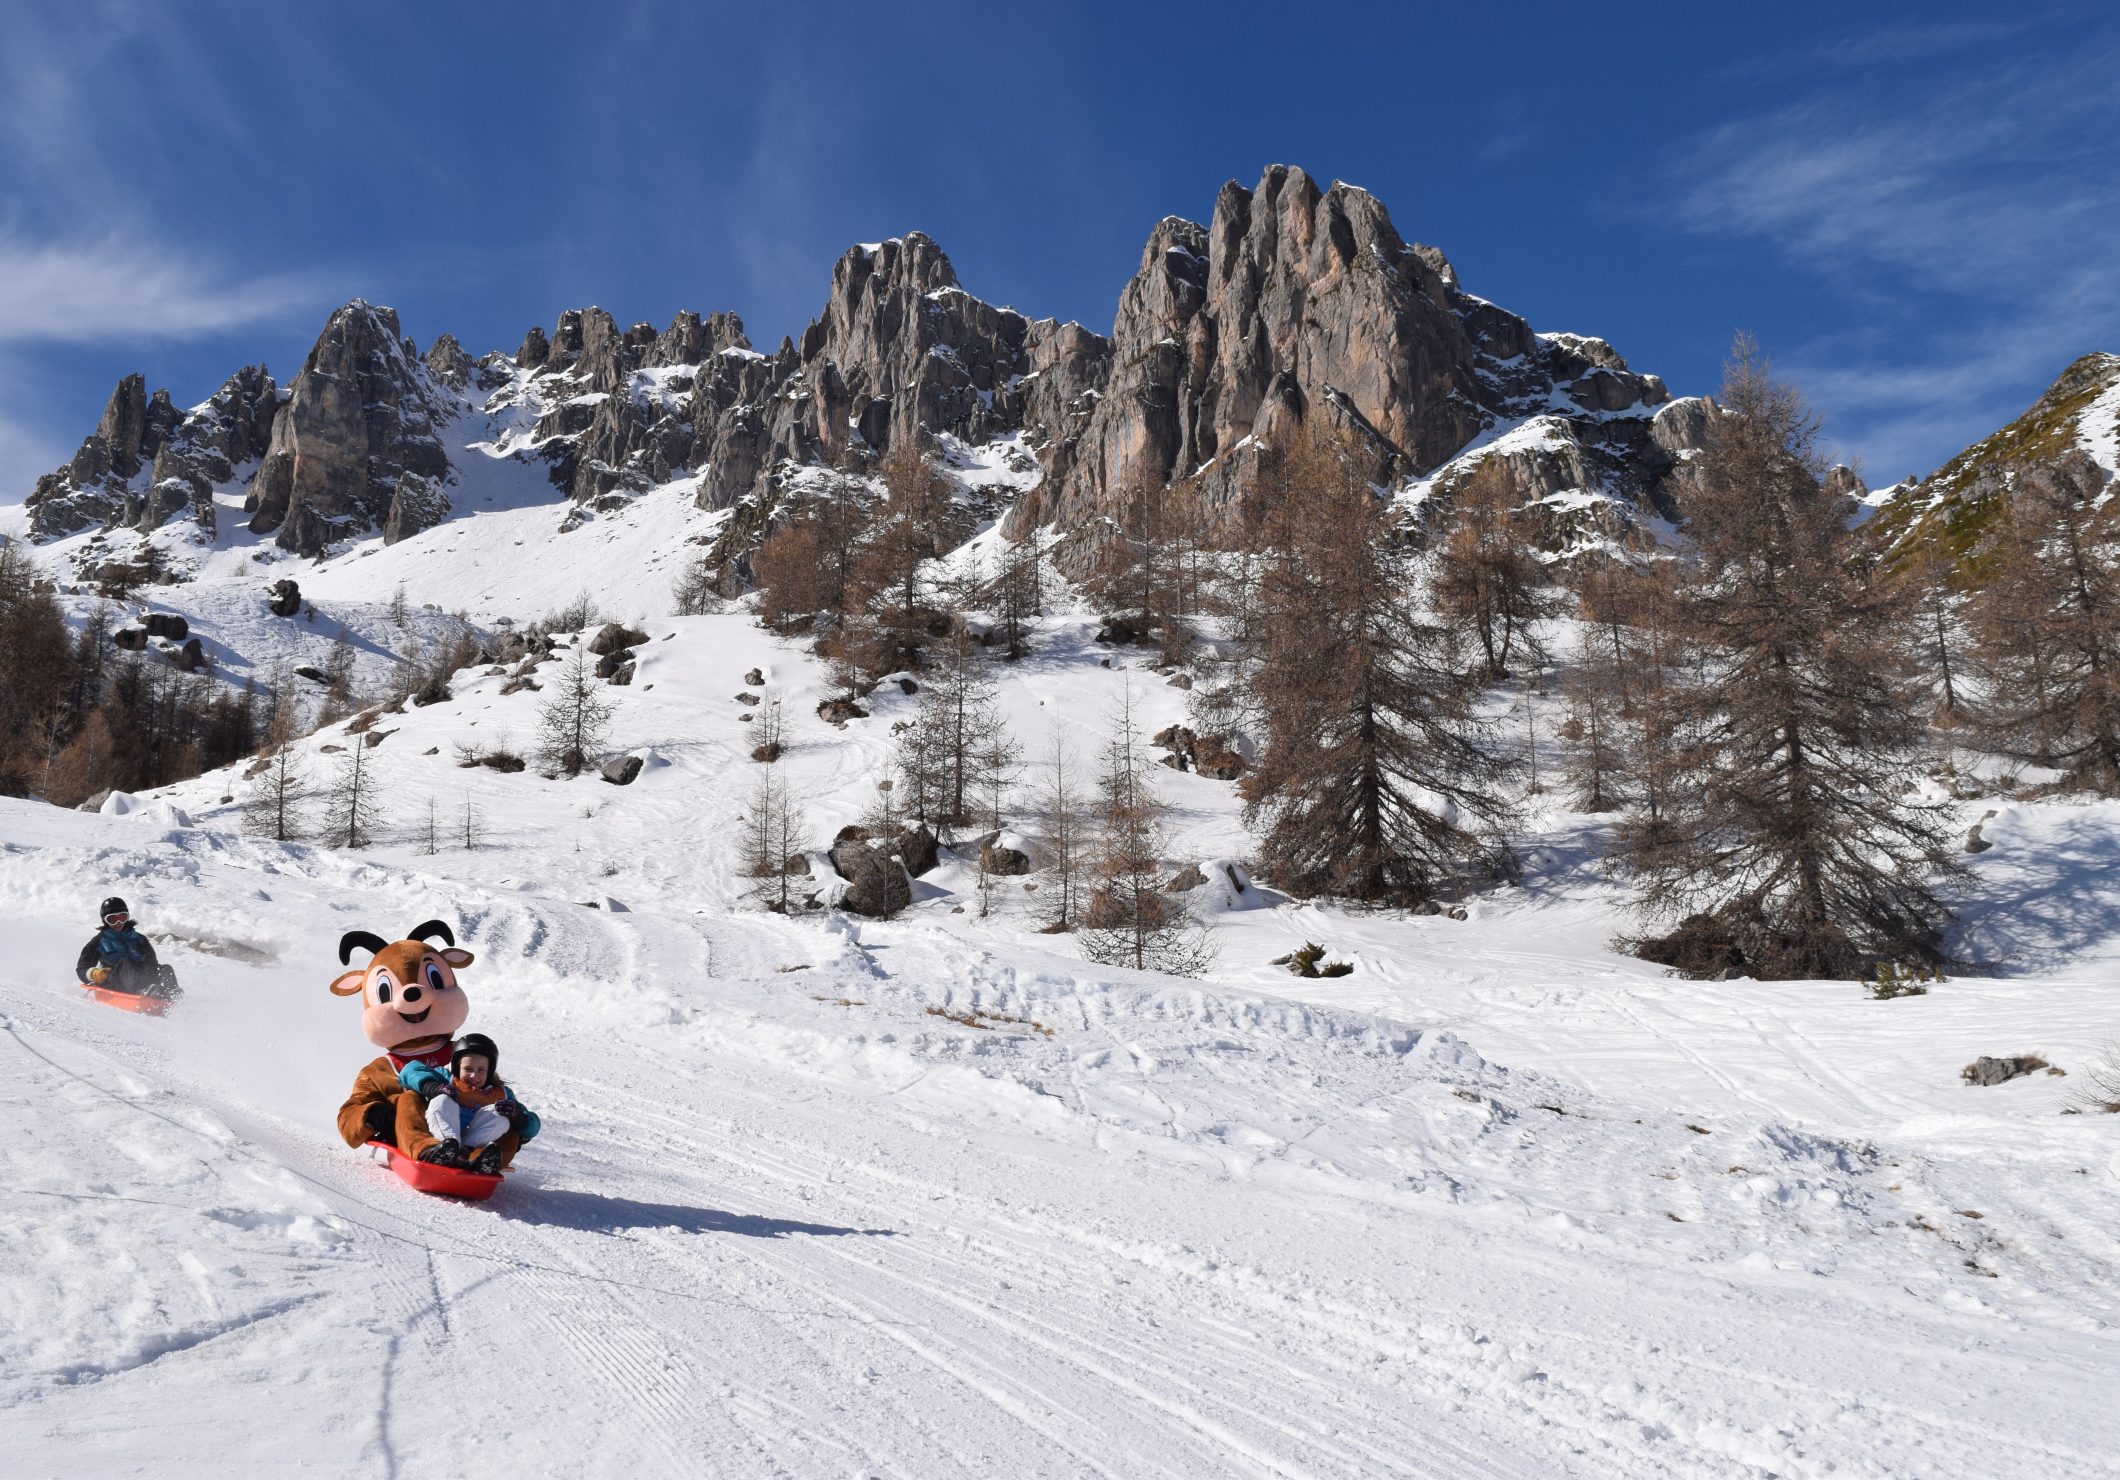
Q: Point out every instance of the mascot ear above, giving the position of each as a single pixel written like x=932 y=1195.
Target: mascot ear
x=348 y=984
x=457 y=958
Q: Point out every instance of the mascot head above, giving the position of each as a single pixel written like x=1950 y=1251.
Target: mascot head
x=408 y=991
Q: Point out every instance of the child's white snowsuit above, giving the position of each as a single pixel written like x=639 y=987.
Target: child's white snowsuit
x=472 y=1129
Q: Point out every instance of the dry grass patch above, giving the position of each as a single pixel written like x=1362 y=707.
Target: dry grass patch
x=987 y=1021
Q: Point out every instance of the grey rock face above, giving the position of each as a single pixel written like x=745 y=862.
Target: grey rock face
x=1295 y=302
x=1842 y=481
x=900 y=350
x=446 y=362
x=417 y=503
x=621 y=770
x=691 y=340
x=1294 y=305
x=360 y=416
x=146 y=464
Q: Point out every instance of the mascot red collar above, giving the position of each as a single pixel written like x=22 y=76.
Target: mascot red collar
x=410 y=1003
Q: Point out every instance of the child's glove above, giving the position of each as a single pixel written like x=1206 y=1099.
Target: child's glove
x=99 y=974
x=509 y=1111
x=381 y=1118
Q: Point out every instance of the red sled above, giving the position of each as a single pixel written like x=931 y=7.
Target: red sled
x=425 y=1176
x=129 y=1001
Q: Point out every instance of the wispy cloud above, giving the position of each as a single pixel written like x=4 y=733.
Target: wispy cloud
x=1969 y=225
x=1511 y=129
x=119 y=289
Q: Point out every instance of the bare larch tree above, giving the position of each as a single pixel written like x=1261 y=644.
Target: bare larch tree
x=1789 y=845
x=2047 y=615
x=574 y=720
x=1379 y=781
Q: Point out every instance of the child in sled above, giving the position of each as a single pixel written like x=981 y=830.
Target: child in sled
x=120 y=959
x=469 y=1109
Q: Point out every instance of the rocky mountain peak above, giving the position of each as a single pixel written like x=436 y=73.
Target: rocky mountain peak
x=690 y=339
x=359 y=418
x=146 y=462
x=1294 y=301
x=1297 y=301
x=447 y=362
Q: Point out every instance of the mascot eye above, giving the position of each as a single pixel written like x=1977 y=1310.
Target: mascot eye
x=382 y=986
x=435 y=979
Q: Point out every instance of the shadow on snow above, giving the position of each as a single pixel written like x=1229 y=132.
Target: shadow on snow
x=593 y=1212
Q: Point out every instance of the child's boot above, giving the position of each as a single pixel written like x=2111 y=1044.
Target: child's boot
x=448 y=1153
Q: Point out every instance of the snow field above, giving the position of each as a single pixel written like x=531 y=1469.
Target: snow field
x=789 y=1220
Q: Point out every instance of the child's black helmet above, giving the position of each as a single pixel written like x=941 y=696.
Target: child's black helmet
x=480 y=1044
x=112 y=906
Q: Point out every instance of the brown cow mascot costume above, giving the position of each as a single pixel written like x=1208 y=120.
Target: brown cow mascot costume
x=410 y=1008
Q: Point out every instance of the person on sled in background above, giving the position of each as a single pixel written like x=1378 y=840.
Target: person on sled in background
x=120 y=959
x=468 y=1109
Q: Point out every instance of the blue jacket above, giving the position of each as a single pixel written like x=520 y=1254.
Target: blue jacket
x=426 y=1081
x=123 y=951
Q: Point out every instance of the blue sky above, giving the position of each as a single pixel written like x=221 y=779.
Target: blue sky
x=1915 y=208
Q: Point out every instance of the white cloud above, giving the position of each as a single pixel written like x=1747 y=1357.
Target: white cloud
x=117 y=289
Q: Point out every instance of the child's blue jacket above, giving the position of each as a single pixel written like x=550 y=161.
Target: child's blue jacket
x=414 y=1076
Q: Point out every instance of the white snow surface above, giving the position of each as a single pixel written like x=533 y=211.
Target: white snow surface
x=1500 y=1203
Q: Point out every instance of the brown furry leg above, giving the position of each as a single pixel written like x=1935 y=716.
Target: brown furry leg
x=413 y=1137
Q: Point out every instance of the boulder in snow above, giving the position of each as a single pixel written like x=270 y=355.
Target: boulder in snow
x=1187 y=878
x=1985 y=1071
x=879 y=887
x=614 y=637
x=997 y=857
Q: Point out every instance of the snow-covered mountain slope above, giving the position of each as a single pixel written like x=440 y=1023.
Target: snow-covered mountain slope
x=936 y=1197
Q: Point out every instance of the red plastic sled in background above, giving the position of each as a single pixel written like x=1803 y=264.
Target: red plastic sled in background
x=425 y=1176
x=129 y=1001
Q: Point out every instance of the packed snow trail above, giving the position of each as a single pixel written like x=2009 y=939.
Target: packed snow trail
x=786 y=1221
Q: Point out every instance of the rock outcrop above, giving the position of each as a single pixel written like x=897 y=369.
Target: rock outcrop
x=1293 y=306
x=2073 y=429
x=359 y=417
x=146 y=464
x=1295 y=303
x=901 y=350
